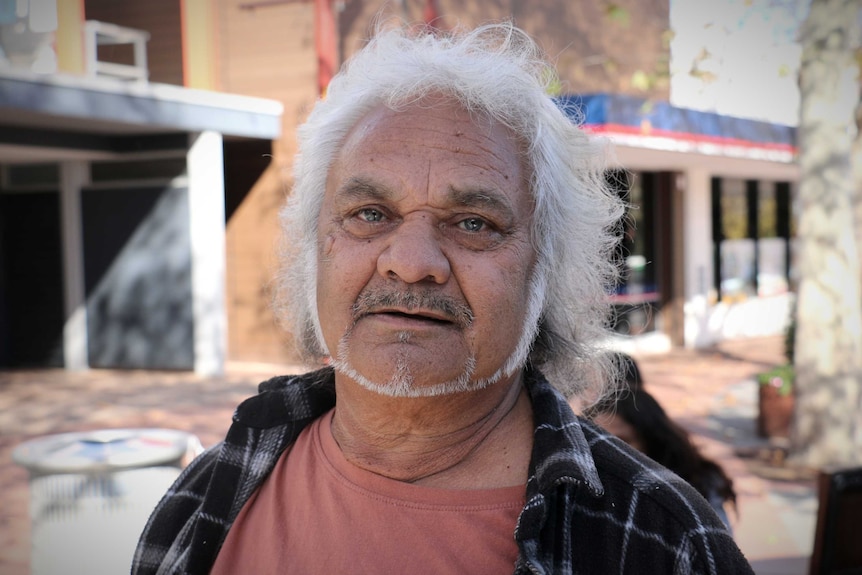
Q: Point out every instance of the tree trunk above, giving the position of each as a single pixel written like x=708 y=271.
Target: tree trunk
x=827 y=426
x=856 y=162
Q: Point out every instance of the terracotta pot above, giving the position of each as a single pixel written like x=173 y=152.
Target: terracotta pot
x=775 y=413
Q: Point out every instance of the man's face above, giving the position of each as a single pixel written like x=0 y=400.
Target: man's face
x=424 y=253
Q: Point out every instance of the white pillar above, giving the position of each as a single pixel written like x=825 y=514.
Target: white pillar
x=697 y=256
x=207 y=231
x=74 y=175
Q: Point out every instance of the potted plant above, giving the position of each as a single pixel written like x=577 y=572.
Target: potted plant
x=775 y=400
x=775 y=391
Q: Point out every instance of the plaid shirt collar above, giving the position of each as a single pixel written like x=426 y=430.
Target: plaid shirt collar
x=560 y=450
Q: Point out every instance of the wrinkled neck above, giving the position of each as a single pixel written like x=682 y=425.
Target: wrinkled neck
x=470 y=440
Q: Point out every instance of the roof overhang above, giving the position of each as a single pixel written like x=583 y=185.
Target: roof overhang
x=68 y=117
x=648 y=134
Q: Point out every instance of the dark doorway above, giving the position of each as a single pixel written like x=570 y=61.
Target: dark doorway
x=646 y=298
x=31 y=280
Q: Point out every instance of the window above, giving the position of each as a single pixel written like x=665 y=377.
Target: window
x=31 y=176
x=751 y=234
x=738 y=246
x=772 y=253
x=164 y=169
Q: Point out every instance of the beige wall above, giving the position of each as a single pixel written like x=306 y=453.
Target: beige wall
x=267 y=52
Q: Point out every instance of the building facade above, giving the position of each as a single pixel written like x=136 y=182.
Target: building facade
x=150 y=203
x=115 y=177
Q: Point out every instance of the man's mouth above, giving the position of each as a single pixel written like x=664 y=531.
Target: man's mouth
x=429 y=318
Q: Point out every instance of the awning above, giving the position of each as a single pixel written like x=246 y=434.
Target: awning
x=657 y=125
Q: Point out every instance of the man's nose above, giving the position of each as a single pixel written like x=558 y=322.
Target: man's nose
x=413 y=253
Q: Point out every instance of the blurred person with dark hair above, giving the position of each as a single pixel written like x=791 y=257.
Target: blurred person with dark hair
x=637 y=418
x=630 y=373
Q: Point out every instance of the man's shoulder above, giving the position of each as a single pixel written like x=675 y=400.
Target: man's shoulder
x=627 y=473
x=169 y=528
x=204 y=499
x=662 y=519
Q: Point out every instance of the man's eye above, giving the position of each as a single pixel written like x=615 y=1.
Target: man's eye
x=370 y=215
x=472 y=224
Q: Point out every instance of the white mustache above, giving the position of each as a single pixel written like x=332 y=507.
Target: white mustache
x=369 y=300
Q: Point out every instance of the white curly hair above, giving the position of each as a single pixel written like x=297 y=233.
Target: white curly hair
x=496 y=71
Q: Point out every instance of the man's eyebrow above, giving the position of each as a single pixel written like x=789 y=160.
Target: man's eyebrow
x=363 y=189
x=480 y=198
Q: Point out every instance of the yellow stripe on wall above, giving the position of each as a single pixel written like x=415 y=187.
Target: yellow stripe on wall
x=199 y=45
x=69 y=39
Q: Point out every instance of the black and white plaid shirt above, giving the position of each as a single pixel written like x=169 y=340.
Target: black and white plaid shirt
x=593 y=505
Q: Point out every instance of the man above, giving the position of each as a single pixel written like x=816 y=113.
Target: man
x=448 y=246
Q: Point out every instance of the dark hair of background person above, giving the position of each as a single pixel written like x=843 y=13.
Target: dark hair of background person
x=663 y=440
x=629 y=371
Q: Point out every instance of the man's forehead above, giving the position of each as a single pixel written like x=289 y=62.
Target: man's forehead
x=446 y=114
x=438 y=126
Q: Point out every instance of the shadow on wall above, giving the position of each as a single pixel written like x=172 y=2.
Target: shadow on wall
x=138 y=278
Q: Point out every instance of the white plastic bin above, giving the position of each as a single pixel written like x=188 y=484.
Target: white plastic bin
x=92 y=492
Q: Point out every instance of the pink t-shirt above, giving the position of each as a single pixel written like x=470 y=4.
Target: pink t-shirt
x=318 y=513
